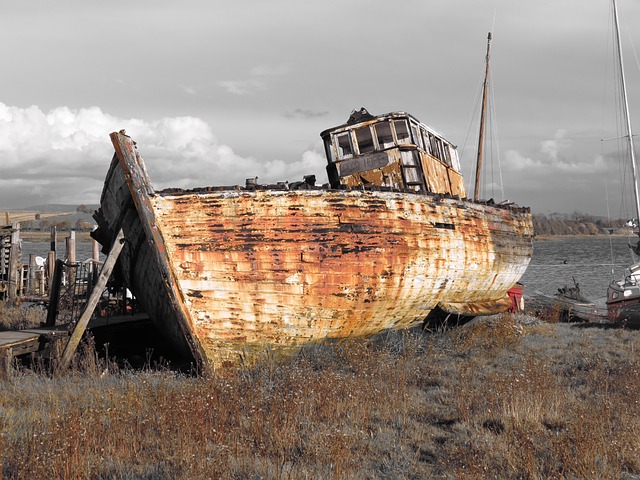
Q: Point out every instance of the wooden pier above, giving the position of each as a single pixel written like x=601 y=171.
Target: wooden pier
x=84 y=300
x=15 y=343
x=49 y=341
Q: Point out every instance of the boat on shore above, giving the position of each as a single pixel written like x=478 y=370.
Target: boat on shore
x=228 y=273
x=623 y=295
x=391 y=241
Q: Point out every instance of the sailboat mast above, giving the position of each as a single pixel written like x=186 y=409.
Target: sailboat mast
x=482 y=115
x=627 y=117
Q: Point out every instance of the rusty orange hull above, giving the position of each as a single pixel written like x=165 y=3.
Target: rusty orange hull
x=233 y=272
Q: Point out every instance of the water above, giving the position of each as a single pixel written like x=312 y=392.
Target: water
x=83 y=250
x=589 y=260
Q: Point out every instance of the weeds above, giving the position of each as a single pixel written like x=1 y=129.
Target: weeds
x=501 y=398
x=19 y=318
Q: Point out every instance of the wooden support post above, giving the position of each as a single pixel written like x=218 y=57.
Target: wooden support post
x=51 y=266
x=54 y=293
x=71 y=256
x=96 y=248
x=54 y=238
x=94 y=298
x=14 y=264
x=6 y=361
x=71 y=247
x=31 y=276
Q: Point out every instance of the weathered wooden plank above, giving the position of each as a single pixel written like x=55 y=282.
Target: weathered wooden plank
x=94 y=298
x=17 y=338
x=6 y=359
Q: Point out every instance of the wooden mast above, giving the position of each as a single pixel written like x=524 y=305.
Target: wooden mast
x=627 y=117
x=482 y=115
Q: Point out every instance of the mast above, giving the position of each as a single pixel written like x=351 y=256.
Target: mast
x=627 y=117
x=482 y=115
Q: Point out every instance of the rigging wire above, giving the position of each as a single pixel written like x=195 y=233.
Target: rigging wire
x=494 y=131
x=490 y=144
x=602 y=153
x=474 y=113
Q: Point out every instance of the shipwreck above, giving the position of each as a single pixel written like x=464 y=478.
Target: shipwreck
x=228 y=273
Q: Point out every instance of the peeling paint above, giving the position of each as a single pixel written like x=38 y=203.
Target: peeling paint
x=229 y=272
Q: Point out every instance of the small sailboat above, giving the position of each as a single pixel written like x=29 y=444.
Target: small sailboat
x=623 y=295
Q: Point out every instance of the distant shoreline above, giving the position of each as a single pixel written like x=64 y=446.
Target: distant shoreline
x=31 y=236
x=581 y=235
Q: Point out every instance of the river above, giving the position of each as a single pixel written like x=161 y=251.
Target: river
x=588 y=260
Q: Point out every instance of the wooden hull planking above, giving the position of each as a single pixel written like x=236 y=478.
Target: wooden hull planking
x=227 y=273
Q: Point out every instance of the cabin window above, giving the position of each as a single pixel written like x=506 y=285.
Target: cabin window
x=455 y=161
x=402 y=132
x=408 y=159
x=343 y=142
x=447 y=155
x=412 y=176
x=436 y=149
x=384 y=134
x=417 y=138
x=425 y=140
x=328 y=149
x=365 y=140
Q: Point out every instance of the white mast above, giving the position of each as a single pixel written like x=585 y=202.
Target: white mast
x=627 y=117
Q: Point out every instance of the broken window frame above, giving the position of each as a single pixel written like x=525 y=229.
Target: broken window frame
x=415 y=133
x=340 y=151
x=369 y=147
x=425 y=141
x=329 y=150
x=405 y=140
x=382 y=136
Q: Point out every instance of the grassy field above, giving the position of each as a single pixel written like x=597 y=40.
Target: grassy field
x=505 y=397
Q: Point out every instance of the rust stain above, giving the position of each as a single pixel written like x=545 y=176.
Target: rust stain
x=229 y=271
x=317 y=264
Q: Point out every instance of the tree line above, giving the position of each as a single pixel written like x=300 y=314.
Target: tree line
x=577 y=224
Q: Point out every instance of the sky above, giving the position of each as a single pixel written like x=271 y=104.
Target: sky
x=216 y=92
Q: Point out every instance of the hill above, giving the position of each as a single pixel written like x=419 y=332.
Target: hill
x=577 y=224
x=43 y=217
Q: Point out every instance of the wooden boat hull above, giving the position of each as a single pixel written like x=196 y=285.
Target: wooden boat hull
x=229 y=273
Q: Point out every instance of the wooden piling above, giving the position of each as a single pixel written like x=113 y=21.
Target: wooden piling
x=51 y=266
x=71 y=255
x=96 y=248
x=54 y=238
x=54 y=293
x=14 y=264
x=6 y=361
x=31 y=278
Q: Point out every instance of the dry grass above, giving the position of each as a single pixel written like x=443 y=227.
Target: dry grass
x=505 y=398
x=18 y=318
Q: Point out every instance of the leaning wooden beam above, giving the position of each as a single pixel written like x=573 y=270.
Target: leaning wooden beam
x=94 y=298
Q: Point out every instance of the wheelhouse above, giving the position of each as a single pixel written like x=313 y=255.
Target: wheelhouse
x=393 y=150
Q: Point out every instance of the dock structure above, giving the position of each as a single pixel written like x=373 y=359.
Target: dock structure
x=50 y=342
x=15 y=343
x=84 y=285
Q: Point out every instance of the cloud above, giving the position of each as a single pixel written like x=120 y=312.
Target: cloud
x=242 y=87
x=302 y=113
x=270 y=70
x=552 y=147
x=188 y=90
x=62 y=156
x=258 y=81
x=551 y=159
